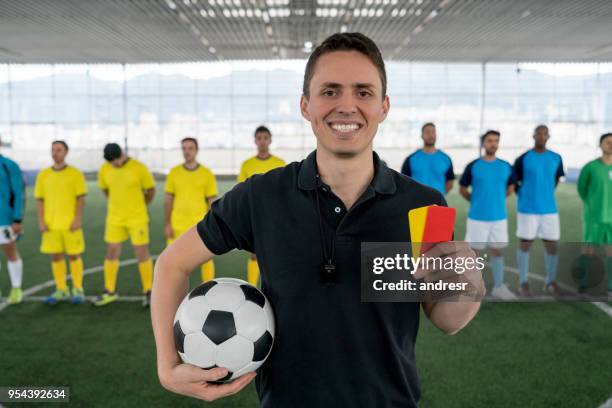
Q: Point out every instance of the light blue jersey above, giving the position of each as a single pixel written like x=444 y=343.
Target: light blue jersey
x=11 y=192
x=537 y=175
x=489 y=181
x=432 y=169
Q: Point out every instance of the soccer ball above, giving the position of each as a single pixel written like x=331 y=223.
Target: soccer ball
x=225 y=323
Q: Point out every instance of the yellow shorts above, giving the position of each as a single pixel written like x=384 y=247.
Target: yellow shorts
x=115 y=234
x=62 y=241
x=177 y=233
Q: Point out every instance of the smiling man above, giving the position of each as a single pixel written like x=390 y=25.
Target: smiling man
x=303 y=221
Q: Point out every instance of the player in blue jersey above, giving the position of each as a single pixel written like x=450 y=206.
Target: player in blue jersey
x=430 y=166
x=537 y=174
x=11 y=215
x=491 y=181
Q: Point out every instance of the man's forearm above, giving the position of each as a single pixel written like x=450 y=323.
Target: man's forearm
x=168 y=205
x=40 y=211
x=79 y=208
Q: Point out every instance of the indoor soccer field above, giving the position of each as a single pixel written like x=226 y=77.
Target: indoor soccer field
x=542 y=354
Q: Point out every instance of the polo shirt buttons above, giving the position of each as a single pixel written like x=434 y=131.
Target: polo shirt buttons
x=337 y=210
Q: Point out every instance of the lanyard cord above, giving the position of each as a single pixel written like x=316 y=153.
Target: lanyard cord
x=328 y=259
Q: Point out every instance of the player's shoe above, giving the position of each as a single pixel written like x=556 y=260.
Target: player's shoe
x=78 y=296
x=16 y=296
x=524 y=290
x=552 y=288
x=105 y=298
x=56 y=297
x=502 y=292
x=146 y=300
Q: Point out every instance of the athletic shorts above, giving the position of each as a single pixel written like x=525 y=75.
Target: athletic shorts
x=63 y=242
x=600 y=233
x=481 y=234
x=138 y=234
x=6 y=235
x=543 y=226
x=177 y=233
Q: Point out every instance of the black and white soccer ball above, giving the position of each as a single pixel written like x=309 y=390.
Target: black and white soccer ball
x=226 y=323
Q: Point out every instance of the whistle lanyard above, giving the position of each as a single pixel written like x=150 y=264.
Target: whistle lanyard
x=328 y=270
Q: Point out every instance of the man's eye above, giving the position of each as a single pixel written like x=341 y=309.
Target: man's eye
x=329 y=92
x=364 y=94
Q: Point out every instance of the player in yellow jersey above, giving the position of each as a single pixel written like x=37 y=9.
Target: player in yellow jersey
x=60 y=198
x=261 y=163
x=129 y=187
x=190 y=190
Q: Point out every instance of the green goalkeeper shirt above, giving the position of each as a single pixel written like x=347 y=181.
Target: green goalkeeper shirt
x=595 y=189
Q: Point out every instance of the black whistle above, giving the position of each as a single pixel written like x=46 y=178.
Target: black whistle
x=329 y=274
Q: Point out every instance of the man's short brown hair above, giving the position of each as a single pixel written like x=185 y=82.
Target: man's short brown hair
x=346 y=42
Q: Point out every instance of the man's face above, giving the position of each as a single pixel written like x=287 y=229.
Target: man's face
x=345 y=104
x=429 y=136
x=189 y=150
x=491 y=144
x=58 y=152
x=262 y=141
x=118 y=162
x=606 y=145
x=540 y=136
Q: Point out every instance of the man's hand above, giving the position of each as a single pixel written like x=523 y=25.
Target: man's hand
x=467 y=270
x=76 y=224
x=16 y=227
x=168 y=231
x=187 y=379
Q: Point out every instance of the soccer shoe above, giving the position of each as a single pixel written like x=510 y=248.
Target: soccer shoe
x=56 y=297
x=78 y=296
x=502 y=292
x=553 y=289
x=16 y=296
x=524 y=290
x=105 y=298
x=146 y=300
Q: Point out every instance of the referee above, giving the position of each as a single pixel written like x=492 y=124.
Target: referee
x=331 y=350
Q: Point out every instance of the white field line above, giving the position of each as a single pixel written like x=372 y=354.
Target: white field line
x=604 y=307
x=51 y=283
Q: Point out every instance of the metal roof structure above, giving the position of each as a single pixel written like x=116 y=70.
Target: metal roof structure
x=133 y=31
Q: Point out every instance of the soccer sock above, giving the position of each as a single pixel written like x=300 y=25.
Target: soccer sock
x=252 y=272
x=76 y=270
x=146 y=274
x=111 y=269
x=59 y=274
x=15 y=269
x=551 y=261
x=522 y=260
x=497 y=266
x=207 y=271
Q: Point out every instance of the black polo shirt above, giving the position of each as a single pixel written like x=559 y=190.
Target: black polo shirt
x=330 y=349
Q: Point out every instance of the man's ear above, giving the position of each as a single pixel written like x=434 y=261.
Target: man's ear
x=386 y=107
x=304 y=107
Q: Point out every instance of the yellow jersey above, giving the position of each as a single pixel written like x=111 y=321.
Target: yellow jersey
x=191 y=189
x=59 y=190
x=126 y=185
x=255 y=165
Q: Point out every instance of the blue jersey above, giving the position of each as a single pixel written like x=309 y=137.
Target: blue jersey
x=432 y=169
x=537 y=175
x=11 y=192
x=489 y=181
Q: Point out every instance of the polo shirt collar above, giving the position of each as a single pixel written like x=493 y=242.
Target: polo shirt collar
x=383 y=181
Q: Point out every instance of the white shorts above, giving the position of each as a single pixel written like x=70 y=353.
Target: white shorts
x=6 y=235
x=532 y=226
x=481 y=234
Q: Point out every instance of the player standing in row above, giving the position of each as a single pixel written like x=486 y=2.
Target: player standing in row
x=190 y=190
x=428 y=165
x=12 y=200
x=491 y=180
x=595 y=190
x=129 y=187
x=261 y=163
x=60 y=198
x=537 y=174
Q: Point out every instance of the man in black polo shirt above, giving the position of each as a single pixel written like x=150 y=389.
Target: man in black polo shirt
x=330 y=349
